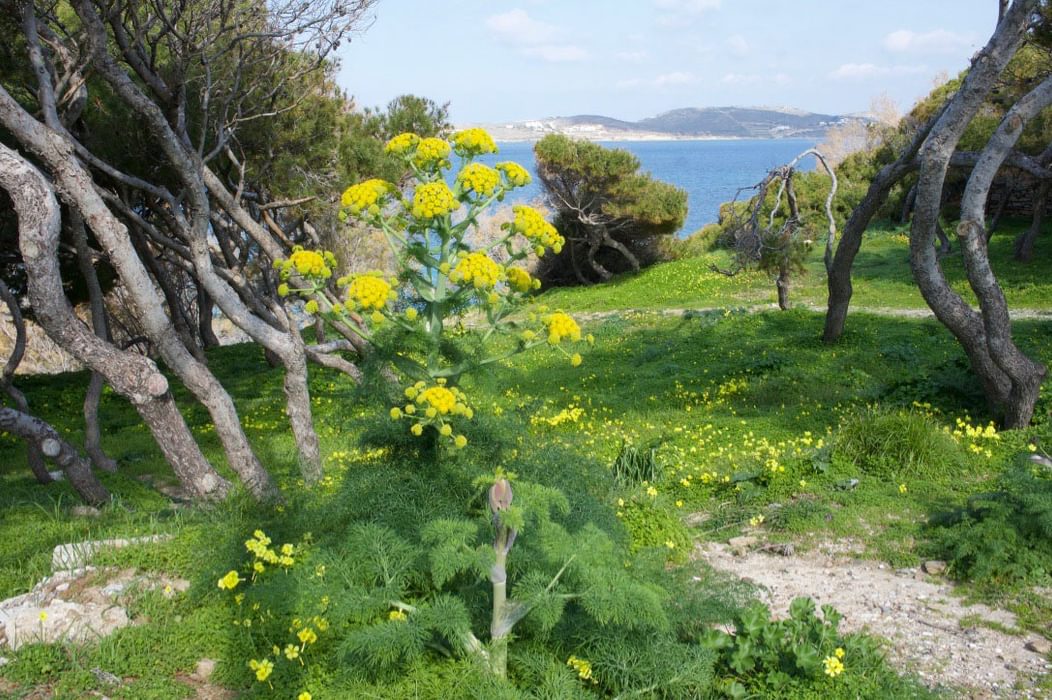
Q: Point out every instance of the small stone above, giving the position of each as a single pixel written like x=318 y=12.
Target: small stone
x=740 y=545
x=4 y=661
x=105 y=677
x=84 y=512
x=204 y=669
x=1039 y=645
x=934 y=567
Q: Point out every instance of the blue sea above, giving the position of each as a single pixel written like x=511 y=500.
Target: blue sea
x=710 y=171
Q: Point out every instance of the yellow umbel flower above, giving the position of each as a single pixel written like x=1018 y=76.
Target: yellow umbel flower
x=520 y=280
x=531 y=224
x=431 y=153
x=308 y=263
x=402 y=144
x=473 y=142
x=369 y=292
x=230 y=581
x=480 y=179
x=478 y=269
x=561 y=326
x=433 y=199
x=514 y=174
x=439 y=398
x=366 y=196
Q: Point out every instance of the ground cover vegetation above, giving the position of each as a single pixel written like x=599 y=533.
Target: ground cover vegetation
x=429 y=510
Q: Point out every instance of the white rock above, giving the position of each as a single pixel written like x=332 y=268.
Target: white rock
x=77 y=554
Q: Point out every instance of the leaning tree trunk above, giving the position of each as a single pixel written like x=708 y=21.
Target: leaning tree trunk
x=34 y=457
x=132 y=375
x=1024 y=244
x=1024 y=374
x=46 y=439
x=78 y=189
x=204 y=319
x=195 y=223
x=970 y=328
x=92 y=431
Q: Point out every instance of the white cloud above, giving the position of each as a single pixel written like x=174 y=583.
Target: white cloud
x=517 y=27
x=532 y=37
x=632 y=56
x=557 y=53
x=674 y=78
x=659 y=81
x=862 y=71
x=740 y=79
x=936 y=41
x=738 y=45
x=690 y=7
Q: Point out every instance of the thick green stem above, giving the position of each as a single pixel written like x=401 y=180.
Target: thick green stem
x=498 y=633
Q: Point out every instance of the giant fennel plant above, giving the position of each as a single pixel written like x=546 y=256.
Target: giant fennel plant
x=440 y=278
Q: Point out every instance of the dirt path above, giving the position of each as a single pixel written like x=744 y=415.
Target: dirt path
x=1016 y=314
x=918 y=615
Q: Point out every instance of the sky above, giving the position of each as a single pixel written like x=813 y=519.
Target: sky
x=499 y=61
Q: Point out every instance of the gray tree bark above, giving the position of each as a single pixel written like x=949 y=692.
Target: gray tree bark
x=34 y=457
x=132 y=375
x=968 y=326
x=92 y=430
x=46 y=439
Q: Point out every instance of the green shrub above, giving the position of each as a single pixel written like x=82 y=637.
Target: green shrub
x=702 y=241
x=897 y=445
x=634 y=466
x=1003 y=537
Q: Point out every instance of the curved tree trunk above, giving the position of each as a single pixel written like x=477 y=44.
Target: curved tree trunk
x=132 y=375
x=191 y=171
x=969 y=327
x=1024 y=374
x=34 y=457
x=92 y=432
x=46 y=439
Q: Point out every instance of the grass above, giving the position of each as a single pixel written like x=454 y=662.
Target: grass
x=742 y=411
x=882 y=280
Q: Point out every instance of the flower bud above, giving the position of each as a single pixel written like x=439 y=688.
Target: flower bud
x=500 y=496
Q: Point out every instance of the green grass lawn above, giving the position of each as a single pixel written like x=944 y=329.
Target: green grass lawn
x=741 y=410
x=882 y=280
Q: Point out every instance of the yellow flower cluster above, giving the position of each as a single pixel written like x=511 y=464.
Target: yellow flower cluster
x=369 y=291
x=431 y=153
x=520 y=280
x=366 y=196
x=397 y=616
x=307 y=263
x=833 y=665
x=230 y=581
x=514 y=174
x=480 y=179
x=583 y=668
x=435 y=403
x=262 y=668
x=478 y=269
x=259 y=546
x=473 y=142
x=530 y=223
x=561 y=326
x=433 y=199
x=402 y=144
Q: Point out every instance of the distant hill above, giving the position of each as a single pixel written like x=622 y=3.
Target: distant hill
x=686 y=123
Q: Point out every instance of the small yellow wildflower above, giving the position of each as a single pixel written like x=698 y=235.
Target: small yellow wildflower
x=902 y=488
x=307 y=635
x=651 y=491
x=575 y=359
x=460 y=441
x=311 y=307
x=304 y=696
x=292 y=652
x=397 y=616
x=839 y=653
x=756 y=520
x=833 y=666
x=43 y=615
x=262 y=668
x=229 y=581
x=417 y=429
x=583 y=668
x=411 y=314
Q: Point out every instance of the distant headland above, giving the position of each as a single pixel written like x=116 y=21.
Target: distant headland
x=688 y=123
